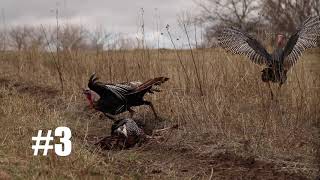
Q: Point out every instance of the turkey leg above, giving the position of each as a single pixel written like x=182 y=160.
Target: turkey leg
x=113 y=118
x=152 y=107
x=270 y=90
x=131 y=112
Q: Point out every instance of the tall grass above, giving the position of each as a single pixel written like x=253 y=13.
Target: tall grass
x=233 y=112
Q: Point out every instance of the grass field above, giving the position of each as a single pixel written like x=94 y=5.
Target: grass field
x=228 y=125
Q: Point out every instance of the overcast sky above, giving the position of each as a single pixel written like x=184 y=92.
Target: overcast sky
x=117 y=16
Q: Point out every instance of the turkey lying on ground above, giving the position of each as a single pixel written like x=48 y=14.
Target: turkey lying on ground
x=125 y=133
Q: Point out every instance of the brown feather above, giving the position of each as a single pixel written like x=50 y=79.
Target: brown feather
x=149 y=83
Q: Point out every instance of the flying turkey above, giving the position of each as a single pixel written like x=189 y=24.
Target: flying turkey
x=283 y=57
x=113 y=99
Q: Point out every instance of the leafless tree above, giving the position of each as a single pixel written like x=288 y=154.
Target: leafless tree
x=185 y=18
x=97 y=39
x=37 y=39
x=123 y=42
x=286 y=15
x=243 y=14
x=18 y=37
x=70 y=38
x=186 y=21
x=3 y=38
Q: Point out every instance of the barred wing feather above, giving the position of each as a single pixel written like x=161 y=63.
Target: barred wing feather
x=305 y=37
x=107 y=91
x=238 y=42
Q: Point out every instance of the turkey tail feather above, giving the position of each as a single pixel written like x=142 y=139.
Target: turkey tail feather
x=148 y=84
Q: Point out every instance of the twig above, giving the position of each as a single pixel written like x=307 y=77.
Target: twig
x=180 y=60
x=211 y=174
x=57 y=46
x=193 y=60
x=176 y=126
x=55 y=60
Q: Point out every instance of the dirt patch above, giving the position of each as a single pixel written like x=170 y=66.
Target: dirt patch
x=160 y=160
x=187 y=162
x=231 y=165
x=30 y=89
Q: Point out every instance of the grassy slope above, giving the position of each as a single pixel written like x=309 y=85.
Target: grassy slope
x=234 y=130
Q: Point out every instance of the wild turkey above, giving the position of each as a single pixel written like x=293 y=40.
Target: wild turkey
x=113 y=99
x=125 y=133
x=283 y=57
x=128 y=132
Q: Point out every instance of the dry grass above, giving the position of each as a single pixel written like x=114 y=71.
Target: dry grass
x=233 y=130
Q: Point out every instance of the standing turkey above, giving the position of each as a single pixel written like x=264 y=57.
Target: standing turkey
x=113 y=99
x=283 y=57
